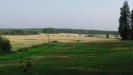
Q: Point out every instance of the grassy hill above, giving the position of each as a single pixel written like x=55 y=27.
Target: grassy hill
x=69 y=58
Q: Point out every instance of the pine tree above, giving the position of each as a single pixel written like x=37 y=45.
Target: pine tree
x=132 y=25
x=124 y=22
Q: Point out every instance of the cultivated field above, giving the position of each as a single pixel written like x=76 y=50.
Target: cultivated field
x=21 y=41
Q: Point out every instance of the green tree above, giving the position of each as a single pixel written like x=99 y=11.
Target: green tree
x=124 y=22
x=107 y=35
x=132 y=25
x=4 y=45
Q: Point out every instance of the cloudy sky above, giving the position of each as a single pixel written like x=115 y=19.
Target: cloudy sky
x=77 y=14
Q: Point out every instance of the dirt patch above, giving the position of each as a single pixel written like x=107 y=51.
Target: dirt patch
x=40 y=57
x=10 y=64
x=53 y=57
x=122 y=48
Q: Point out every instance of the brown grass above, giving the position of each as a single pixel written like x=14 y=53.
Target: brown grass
x=51 y=56
x=20 y=41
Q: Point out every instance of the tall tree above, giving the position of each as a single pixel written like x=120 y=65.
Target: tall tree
x=132 y=25
x=124 y=22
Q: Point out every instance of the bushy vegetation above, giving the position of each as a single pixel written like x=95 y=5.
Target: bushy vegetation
x=4 y=45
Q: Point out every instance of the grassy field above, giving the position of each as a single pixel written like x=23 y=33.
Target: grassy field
x=81 y=58
x=22 y=41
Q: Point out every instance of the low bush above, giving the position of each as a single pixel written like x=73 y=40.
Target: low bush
x=55 y=41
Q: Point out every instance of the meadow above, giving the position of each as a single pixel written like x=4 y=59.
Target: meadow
x=74 y=58
x=22 y=41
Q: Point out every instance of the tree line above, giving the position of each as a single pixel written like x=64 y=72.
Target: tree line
x=52 y=31
x=77 y=31
x=20 y=31
x=126 y=22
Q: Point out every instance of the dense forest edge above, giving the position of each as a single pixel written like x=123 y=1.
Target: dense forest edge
x=33 y=31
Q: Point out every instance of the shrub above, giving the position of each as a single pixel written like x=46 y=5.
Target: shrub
x=4 y=45
x=55 y=41
x=107 y=35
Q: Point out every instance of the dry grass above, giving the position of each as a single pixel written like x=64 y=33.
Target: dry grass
x=21 y=41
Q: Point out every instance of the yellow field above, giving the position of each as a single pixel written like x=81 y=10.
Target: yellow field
x=21 y=41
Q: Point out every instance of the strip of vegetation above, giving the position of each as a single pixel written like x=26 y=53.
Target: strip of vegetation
x=52 y=31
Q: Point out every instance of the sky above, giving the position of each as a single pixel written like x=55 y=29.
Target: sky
x=74 y=14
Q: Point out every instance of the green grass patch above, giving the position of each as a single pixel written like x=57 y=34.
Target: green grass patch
x=71 y=58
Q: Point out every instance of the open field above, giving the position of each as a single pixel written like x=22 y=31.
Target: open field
x=73 y=54
x=21 y=41
x=70 y=58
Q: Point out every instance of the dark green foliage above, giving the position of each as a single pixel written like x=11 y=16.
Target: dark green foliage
x=20 y=31
x=55 y=41
x=132 y=25
x=76 y=31
x=124 y=22
x=107 y=35
x=4 y=45
x=51 y=31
